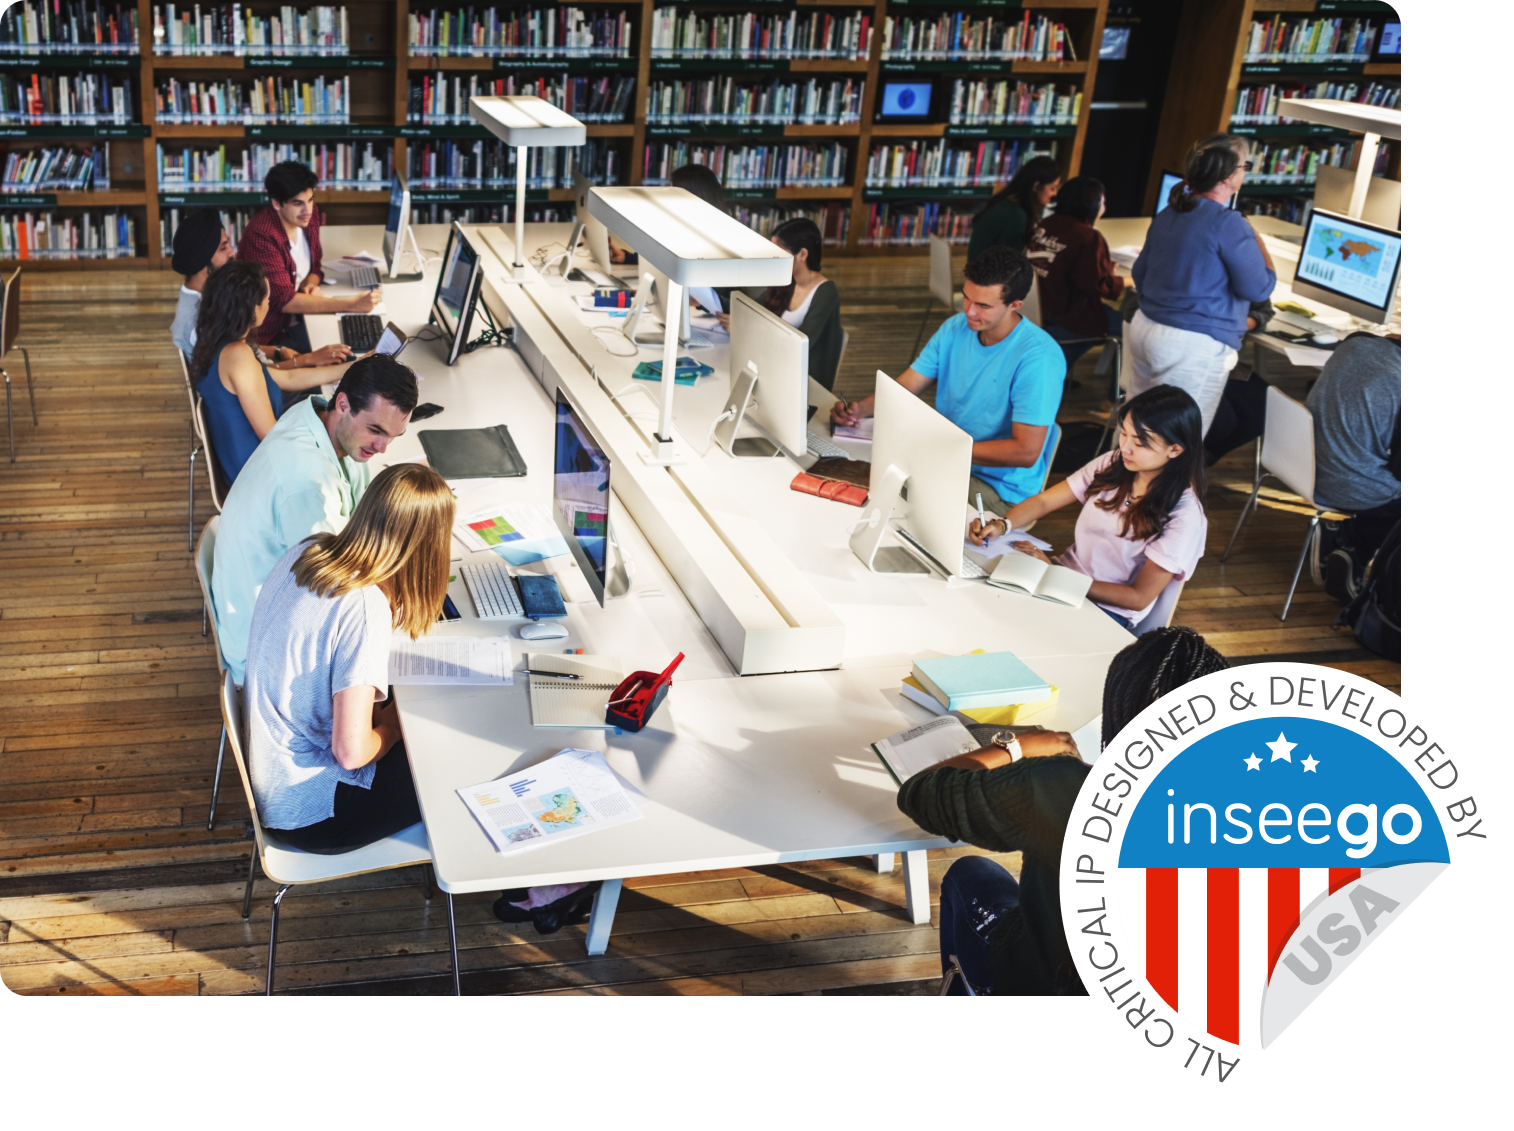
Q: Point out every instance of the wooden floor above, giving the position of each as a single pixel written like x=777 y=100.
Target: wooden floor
x=110 y=881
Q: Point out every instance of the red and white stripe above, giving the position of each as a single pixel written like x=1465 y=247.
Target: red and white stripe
x=1209 y=938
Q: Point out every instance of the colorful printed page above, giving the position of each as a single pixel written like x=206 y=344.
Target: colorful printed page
x=571 y=793
x=518 y=532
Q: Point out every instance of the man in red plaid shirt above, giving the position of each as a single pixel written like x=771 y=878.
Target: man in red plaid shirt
x=285 y=240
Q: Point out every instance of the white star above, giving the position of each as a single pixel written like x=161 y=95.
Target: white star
x=1309 y=763
x=1282 y=748
x=1253 y=762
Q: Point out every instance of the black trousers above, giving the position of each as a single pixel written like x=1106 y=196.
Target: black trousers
x=363 y=816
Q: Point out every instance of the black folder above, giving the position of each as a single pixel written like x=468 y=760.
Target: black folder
x=473 y=453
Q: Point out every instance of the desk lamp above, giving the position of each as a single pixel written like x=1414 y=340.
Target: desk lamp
x=1373 y=122
x=524 y=120
x=694 y=244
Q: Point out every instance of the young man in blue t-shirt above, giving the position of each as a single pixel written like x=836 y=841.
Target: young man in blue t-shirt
x=999 y=378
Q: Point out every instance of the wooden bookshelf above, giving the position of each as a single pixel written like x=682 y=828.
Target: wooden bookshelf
x=1209 y=67
x=380 y=65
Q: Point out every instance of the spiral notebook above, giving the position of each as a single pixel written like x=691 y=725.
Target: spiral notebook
x=580 y=702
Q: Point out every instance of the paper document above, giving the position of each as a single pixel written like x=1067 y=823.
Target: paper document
x=862 y=431
x=471 y=661
x=1126 y=254
x=518 y=532
x=996 y=548
x=1305 y=357
x=571 y=793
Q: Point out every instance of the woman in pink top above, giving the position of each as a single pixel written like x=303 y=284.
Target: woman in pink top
x=1143 y=521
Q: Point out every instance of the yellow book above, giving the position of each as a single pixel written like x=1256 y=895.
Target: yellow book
x=1013 y=715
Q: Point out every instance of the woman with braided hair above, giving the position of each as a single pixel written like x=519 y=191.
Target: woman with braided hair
x=1015 y=795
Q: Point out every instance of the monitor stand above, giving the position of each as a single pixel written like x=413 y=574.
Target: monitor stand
x=564 y=257
x=399 y=253
x=729 y=422
x=617 y=576
x=869 y=530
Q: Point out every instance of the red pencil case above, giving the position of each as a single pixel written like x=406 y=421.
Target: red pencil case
x=833 y=489
x=638 y=696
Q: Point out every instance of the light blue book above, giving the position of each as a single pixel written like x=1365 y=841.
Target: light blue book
x=992 y=679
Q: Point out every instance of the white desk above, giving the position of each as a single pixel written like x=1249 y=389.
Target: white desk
x=734 y=772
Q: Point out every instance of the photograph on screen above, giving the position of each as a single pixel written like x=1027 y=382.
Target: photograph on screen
x=581 y=485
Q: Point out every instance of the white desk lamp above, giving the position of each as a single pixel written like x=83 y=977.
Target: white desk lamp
x=522 y=121
x=1373 y=122
x=693 y=244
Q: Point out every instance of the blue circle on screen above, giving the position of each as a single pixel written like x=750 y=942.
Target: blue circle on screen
x=906 y=99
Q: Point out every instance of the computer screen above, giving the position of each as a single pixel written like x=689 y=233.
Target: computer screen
x=394 y=227
x=457 y=291
x=1390 y=46
x=1169 y=181
x=1349 y=264
x=905 y=100
x=581 y=493
x=779 y=354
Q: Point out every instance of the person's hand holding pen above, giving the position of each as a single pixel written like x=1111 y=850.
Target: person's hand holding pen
x=979 y=531
x=845 y=412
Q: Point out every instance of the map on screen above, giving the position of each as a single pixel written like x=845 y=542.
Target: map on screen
x=1358 y=262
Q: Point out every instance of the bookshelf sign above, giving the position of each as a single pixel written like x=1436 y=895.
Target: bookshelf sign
x=613 y=63
x=309 y=62
x=707 y=129
x=292 y=132
x=475 y=196
x=28 y=200
x=1301 y=69
x=443 y=131
x=1013 y=131
x=71 y=60
x=72 y=131
x=189 y=199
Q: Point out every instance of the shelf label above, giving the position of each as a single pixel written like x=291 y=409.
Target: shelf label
x=28 y=200
x=603 y=63
x=711 y=129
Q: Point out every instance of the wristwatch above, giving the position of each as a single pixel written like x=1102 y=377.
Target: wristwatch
x=1006 y=740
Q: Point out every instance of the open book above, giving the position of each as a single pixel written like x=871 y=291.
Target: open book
x=907 y=753
x=1022 y=573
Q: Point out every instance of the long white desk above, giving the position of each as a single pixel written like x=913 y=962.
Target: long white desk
x=732 y=771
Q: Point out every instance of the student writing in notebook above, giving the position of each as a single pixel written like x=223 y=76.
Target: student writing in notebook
x=1142 y=524
x=325 y=755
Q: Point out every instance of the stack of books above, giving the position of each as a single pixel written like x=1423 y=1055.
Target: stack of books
x=232 y=29
x=60 y=167
x=732 y=99
x=443 y=100
x=71 y=99
x=815 y=165
x=1299 y=39
x=558 y=33
x=678 y=33
x=69 y=27
x=340 y=165
x=994 y=688
x=274 y=100
x=988 y=102
x=941 y=164
x=960 y=35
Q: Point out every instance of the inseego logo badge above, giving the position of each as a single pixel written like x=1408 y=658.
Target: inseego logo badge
x=1241 y=842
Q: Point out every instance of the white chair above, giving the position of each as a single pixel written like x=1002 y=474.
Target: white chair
x=287 y=866
x=1031 y=310
x=10 y=326
x=1161 y=612
x=218 y=485
x=1285 y=451
x=204 y=563
x=1056 y=442
x=941 y=289
x=195 y=447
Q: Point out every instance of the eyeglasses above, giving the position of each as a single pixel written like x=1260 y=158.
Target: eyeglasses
x=1248 y=165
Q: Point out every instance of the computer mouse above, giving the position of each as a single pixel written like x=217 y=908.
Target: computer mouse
x=1325 y=339
x=543 y=630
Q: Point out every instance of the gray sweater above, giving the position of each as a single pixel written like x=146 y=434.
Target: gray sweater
x=1355 y=404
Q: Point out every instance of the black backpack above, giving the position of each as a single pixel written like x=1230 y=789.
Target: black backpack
x=1374 y=614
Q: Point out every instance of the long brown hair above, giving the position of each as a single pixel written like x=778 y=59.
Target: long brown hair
x=397 y=538
x=1170 y=413
x=228 y=309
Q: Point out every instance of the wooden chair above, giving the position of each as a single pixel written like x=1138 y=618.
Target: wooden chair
x=204 y=563
x=10 y=326
x=288 y=866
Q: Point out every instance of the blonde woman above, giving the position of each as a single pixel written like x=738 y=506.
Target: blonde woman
x=327 y=762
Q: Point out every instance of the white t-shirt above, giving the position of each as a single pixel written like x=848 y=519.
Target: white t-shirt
x=796 y=317
x=299 y=247
x=1099 y=552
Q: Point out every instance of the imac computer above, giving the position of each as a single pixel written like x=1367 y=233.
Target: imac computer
x=1170 y=181
x=594 y=233
x=915 y=446
x=397 y=233
x=457 y=292
x=771 y=360
x=581 y=501
x=651 y=297
x=1349 y=264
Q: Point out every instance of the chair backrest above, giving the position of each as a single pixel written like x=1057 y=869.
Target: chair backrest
x=846 y=337
x=1032 y=308
x=231 y=717
x=1161 y=612
x=205 y=556
x=1288 y=443
x=1056 y=442
x=10 y=312
x=218 y=485
x=941 y=287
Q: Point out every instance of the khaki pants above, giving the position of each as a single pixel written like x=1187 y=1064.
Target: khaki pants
x=991 y=501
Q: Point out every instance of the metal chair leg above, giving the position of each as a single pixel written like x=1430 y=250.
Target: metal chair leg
x=192 y=456
x=915 y=349
x=1256 y=489
x=10 y=424
x=204 y=619
x=30 y=392
x=430 y=886
x=273 y=938
x=1298 y=569
x=457 y=979
x=252 y=870
x=215 y=786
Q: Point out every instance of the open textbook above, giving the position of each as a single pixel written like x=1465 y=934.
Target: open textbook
x=1021 y=573
x=571 y=793
x=907 y=753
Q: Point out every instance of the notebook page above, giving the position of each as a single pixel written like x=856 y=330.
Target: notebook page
x=1065 y=585
x=572 y=702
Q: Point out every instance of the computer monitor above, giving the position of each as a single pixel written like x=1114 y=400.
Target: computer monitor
x=397 y=233
x=457 y=291
x=581 y=497
x=914 y=446
x=906 y=102
x=1349 y=264
x=771 y=363
x=687 y=338
x=1170 y=180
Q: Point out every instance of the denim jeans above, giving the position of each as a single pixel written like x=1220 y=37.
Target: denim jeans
x=976 y=892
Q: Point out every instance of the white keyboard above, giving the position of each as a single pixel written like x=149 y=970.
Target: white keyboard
x=363 y=277
x=970 y=568
x=1308 y=325
x=696 y=341
x=824 y=448
x=493 y=591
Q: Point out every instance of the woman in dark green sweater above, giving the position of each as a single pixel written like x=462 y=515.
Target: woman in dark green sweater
x=1013 y=212
x=1015 y=795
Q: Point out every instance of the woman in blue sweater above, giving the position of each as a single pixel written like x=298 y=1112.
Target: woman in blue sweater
x=1201 y=268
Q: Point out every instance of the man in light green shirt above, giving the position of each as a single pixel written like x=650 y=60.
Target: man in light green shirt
x=304 y=478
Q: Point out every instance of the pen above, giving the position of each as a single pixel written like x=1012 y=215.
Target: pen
x=981 y=522
x=630 y=695
x=559 y=675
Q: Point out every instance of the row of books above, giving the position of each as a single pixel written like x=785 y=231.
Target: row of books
x=486 y=163
x=1300 y=39
x=489 y=213
x=680 y=33
x=779 y=101
x=74 y=98
x=987 y=102
x=1289 y=208
x=339 y=164
x=232 y=29
x=441 y=100
x=1296 y=164
x=44 y=235
x=961 y=35
x=833 y=218
x=944 y=164
x=1259 y=105
x=256 y=101
x=69 y=27
x=63 y=167
x=912 y=225
x=562 y=32
x=234 y=220
x=813 y=165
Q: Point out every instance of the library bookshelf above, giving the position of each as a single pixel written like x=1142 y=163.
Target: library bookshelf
x=381 y=68
x=1215 y=63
